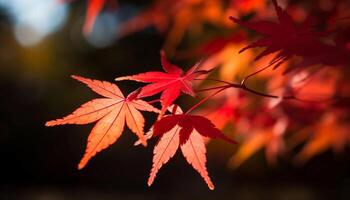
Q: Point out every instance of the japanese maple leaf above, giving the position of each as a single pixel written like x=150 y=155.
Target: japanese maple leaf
x=170 y=83
x=186 y=131
x=284 y=37
x=188 y=123
x=111 y=113
x=336 y=54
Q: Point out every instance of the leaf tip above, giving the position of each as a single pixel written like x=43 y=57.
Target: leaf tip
x=75 y=76
x=137 y=143
x=83 y=162
x=122 y=78
x=211 y=186
x=144 y=143
x=227 y=139
x=52 y=123
x=81 y=166
x=150 y=182
x=48 y=123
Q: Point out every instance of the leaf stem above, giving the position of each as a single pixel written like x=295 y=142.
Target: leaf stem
x=153 y=101
x=207 y=98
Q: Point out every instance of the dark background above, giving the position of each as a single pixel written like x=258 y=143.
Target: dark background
x=41 y=163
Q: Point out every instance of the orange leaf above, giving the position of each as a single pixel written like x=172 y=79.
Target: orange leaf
x=105 y=133
x=112 y=112
x=192 y=148
x=163 y=151
x=194 y=152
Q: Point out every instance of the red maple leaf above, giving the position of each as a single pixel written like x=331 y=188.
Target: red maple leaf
x=170 y=84
x=335 y=54
x=188 y=123
x=186 y=131
x=285 y=37
x=111 y=113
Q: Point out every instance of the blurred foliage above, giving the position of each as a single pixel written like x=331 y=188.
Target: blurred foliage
x=41 y=163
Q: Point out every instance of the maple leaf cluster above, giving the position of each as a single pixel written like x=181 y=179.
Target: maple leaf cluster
x=296 y=57
x=177 y=129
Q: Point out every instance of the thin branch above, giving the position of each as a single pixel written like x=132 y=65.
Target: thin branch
x=254 y=73
x=244 y=87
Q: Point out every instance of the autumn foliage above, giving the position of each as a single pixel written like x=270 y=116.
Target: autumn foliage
x=274 y=83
